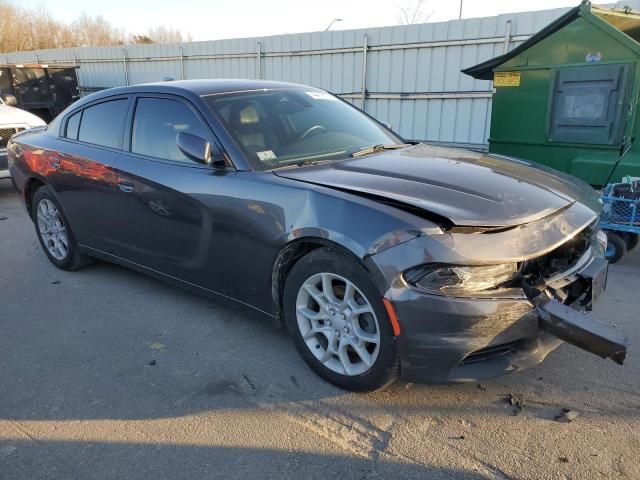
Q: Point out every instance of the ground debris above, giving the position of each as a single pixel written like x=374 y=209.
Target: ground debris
x=517 y=401
x=567 y=415
x=482 y=387
x=55 y=282
x=151 y=363
x=4 y=218
x=563 y=459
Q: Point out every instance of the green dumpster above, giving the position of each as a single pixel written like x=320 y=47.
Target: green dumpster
x=568 y=96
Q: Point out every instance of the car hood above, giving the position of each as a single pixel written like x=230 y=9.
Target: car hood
x=467 y=188
x=15 y=116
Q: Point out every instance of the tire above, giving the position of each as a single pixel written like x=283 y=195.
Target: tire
x=616 y=247
x=343 y=334
x=47 y=212
x=631 y=240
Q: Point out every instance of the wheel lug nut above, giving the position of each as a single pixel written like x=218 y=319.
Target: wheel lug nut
x=329 y=323
x=343 y=316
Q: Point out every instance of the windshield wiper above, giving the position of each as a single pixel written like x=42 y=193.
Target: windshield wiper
x=304 y=163
x=378 y=148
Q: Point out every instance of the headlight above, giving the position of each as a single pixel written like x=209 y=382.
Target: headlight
x=457 y=280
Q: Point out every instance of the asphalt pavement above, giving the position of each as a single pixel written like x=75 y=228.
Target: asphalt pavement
x=108 y=374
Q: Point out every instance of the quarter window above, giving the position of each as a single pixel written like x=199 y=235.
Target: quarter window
x=73 y=125
x=102 y=123
x=157 y=122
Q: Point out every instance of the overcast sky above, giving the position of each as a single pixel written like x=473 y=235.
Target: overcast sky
x=214 y=19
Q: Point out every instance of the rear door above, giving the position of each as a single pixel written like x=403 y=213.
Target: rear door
x=170 y=206
x=90 y=141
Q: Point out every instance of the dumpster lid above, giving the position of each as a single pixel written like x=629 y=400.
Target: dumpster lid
x=623 y=20
x=40 y=65
x=484 y=70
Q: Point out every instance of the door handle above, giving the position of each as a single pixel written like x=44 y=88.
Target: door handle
x=125 y=185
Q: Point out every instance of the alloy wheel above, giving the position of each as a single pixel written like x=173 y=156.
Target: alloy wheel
x=338 y=324
x=52 y=229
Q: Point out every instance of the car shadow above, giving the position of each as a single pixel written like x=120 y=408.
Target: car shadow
x=94 y=459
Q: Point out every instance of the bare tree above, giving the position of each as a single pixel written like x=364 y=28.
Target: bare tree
x=87 y=30
x=23 y=29
x=414 y=13
x=142 y=39
x=164 y=34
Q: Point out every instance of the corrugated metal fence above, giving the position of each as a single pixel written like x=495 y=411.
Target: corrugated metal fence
x=408 y=76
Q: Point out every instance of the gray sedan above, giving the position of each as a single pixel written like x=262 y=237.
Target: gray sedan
x=382 y=257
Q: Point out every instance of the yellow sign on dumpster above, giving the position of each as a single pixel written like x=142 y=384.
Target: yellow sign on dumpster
x=506 y=79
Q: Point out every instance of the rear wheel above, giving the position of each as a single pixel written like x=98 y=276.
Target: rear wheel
x=616 y=247
x=339 y=323
x=54 y=232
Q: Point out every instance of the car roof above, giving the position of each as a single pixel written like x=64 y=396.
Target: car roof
x=195 y=87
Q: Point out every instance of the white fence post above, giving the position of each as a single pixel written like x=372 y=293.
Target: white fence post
x=365 y=47
x=124 y=65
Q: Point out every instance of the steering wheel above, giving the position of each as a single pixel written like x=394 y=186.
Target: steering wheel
x=316 y=128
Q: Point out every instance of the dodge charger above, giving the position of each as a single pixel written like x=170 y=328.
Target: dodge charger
x=383 y=257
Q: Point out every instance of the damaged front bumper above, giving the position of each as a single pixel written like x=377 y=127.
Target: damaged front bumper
x=452 y=339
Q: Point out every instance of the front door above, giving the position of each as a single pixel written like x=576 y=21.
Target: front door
x=169 y=204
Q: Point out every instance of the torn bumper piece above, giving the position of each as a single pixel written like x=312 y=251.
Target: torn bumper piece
x=581 y=329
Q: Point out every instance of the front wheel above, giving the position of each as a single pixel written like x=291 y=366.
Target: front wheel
x=339 y=323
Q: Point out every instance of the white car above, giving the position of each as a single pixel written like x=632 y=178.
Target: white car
x=12 y=120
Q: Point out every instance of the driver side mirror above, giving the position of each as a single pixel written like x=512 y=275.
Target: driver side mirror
x=10 y=100
x=197 y=149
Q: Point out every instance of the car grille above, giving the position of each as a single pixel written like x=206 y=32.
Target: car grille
x=5 y=135
x=493 y=351
x=563 y=257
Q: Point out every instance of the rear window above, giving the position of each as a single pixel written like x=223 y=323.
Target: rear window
x=102 y=123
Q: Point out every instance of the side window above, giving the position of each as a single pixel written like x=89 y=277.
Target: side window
x=101 y=123
x=73 y=124
x=156 y=123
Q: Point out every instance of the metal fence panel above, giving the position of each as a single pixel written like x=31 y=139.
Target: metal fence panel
x=412 y=80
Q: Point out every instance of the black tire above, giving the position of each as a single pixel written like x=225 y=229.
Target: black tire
x=616 y=247
x=386 y=367
x=73 y=259
x=631 y=239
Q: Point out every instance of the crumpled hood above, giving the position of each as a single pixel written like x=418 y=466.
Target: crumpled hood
x=15 y=116
x=468 y=188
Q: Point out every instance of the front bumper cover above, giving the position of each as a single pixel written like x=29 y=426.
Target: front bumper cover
x=448 y=339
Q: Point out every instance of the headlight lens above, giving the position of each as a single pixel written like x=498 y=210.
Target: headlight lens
x=457 y=280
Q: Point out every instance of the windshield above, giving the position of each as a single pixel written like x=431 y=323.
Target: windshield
x=280 y=128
